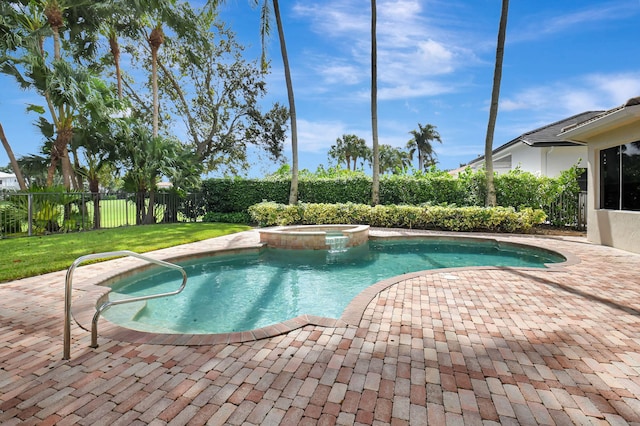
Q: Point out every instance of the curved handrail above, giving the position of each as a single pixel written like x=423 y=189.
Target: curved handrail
x=106 y=305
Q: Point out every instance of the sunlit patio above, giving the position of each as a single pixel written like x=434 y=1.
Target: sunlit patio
x=459 y=346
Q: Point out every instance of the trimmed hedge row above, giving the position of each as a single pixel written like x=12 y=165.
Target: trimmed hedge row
x=516 y=189
x=237 y=194
x=472 y=218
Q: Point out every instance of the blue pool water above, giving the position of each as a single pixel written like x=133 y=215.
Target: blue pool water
x=237 y=292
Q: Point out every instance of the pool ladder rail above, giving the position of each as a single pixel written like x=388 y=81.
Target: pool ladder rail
x=106 y=305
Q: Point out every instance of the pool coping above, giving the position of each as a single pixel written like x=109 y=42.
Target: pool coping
x=94 y=288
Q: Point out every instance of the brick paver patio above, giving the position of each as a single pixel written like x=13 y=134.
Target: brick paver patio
x=458 y=346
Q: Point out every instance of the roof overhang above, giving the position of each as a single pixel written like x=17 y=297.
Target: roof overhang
x=583 y=132
x=551 y=143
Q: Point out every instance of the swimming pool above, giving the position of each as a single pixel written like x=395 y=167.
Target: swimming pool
x=237 y=292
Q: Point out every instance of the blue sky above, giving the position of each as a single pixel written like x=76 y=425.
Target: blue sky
x=435 y=65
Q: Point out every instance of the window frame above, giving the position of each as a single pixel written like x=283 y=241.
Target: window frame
x=617 y=152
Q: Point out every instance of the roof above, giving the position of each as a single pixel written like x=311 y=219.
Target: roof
x=547 y=135
x=4 y=175
x=604 y=121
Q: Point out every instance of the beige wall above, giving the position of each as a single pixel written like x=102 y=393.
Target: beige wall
x=614 y=228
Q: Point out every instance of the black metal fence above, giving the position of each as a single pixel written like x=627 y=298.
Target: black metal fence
x=44 y=213
x=40 y=213
x=568 y=210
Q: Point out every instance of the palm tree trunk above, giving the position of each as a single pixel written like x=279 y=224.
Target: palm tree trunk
x=150 y=216
x=63 y=123
x=94 y=188
x=154 y=83
x=77 y=181
x=375 y=185
x=115 y=51
x=293 y=192
x=12 y=160
x=156 y=38
x=493 y=111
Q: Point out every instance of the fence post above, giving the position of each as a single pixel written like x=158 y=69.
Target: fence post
x=582 y=210
x=30 y=214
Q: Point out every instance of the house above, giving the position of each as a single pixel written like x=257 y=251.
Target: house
x=541 y=151
x=8 y=181
x=612 y=139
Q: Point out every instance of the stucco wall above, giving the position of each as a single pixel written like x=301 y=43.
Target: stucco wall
x=543 y=161
x=561 y=158
x=8 y=181
x=528 y=158
x=616 y=228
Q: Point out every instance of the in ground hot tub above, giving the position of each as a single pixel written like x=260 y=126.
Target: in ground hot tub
x=315 y=237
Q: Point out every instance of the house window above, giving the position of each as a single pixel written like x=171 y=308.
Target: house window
x=620 y=177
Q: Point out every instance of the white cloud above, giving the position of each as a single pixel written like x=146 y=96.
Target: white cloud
x=318 y=136
x=341 y=74
x=583 y=93
x=413 y=90
x=617 y=87
x=575 y=20
x=411 y=50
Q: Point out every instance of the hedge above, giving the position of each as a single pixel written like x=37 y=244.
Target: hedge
x=445 y=218
x=515 y=189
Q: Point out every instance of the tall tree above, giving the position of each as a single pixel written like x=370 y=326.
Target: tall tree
x=211 y=79
x=57 y=77
x=375 y=187
x=122 y=17
x=293 y=192
x=493 y=111
x=421 y=143
x=264 y=32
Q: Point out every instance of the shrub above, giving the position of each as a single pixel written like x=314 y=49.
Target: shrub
x=516 y=189
x=237 y=217
x=11 y=218
x=447 y=218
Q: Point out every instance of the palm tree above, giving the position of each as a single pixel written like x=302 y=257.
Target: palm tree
x=146 y=157
x=60 y=83
x=493 y=111
x=124 y=17
x=348 y=149
x=421 y=143
x=119 y=16
x=62 y=114
x=393 y=160
x=293 y=192
x=375 y=185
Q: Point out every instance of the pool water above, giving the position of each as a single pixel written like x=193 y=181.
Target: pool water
x=238 y=292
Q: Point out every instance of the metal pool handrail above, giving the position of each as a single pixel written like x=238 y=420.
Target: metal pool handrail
x=106 y=305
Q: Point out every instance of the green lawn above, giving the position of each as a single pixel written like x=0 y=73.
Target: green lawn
x=30 y=256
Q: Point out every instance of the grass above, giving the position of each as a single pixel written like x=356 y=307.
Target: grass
x=31 y=256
